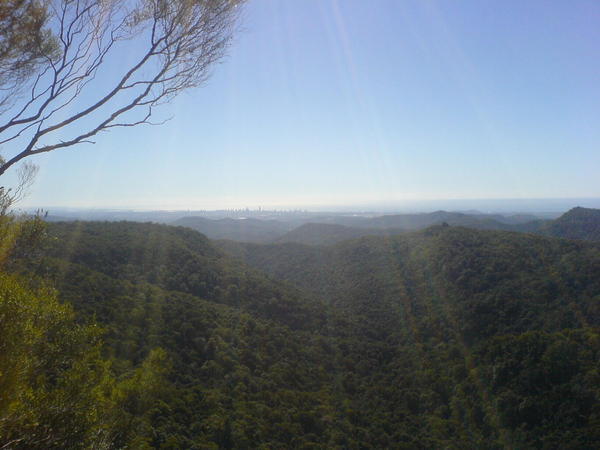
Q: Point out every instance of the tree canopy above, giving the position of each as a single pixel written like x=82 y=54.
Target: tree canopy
x=446 y=338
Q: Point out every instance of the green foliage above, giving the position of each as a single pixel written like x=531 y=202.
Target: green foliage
x=57 y=390
x=180 y=259
x=427 y=305
x=447 y=338
x=52 y=378
x=546 y=387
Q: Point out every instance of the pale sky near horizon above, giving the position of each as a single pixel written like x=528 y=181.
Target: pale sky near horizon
x=324 y=102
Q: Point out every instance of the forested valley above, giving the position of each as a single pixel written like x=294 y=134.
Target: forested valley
x=138 y=335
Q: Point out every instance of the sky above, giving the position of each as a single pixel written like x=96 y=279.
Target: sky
x=349 y=102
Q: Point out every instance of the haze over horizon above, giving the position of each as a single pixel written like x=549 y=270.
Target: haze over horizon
x=487 y=206
x=328 y=103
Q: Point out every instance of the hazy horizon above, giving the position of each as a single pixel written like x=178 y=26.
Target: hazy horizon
x=487 y=206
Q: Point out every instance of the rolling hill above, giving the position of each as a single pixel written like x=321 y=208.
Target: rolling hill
x=327 y=233
x=413 y=222
x=245 y=230
x=577 y=223
x=325 y=230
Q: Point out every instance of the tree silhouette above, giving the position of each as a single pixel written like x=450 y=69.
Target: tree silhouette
x=68 y=91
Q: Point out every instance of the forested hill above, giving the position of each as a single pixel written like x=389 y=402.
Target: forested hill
x=474 y=265
x=246 y=229
x=507 y=299
x=412 y=222
x=178 y=259
x=328 y=233
x=445 y=338
x=329 y=229
x=578 y=223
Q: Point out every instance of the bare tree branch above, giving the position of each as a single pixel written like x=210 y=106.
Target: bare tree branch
x=180 y=40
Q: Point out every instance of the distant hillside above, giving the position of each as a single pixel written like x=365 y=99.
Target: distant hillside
x=327 y=233
x=329 y=229
x=243 y=230
x=512 y=219
x=412 y=222
x=53 y=218
x=352 y=227
x=578 y=223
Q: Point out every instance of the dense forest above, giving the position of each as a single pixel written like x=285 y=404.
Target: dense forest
x=443 y=338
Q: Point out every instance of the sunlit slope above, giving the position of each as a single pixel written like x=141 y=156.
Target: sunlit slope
x=249 y=364
x=447 y=337
x=236 y=377
x=182 y=260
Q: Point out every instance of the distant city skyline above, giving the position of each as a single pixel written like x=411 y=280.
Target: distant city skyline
x=331 y=103
x=486 y=206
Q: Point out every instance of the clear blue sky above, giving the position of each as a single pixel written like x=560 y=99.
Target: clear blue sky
x=325 y=102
